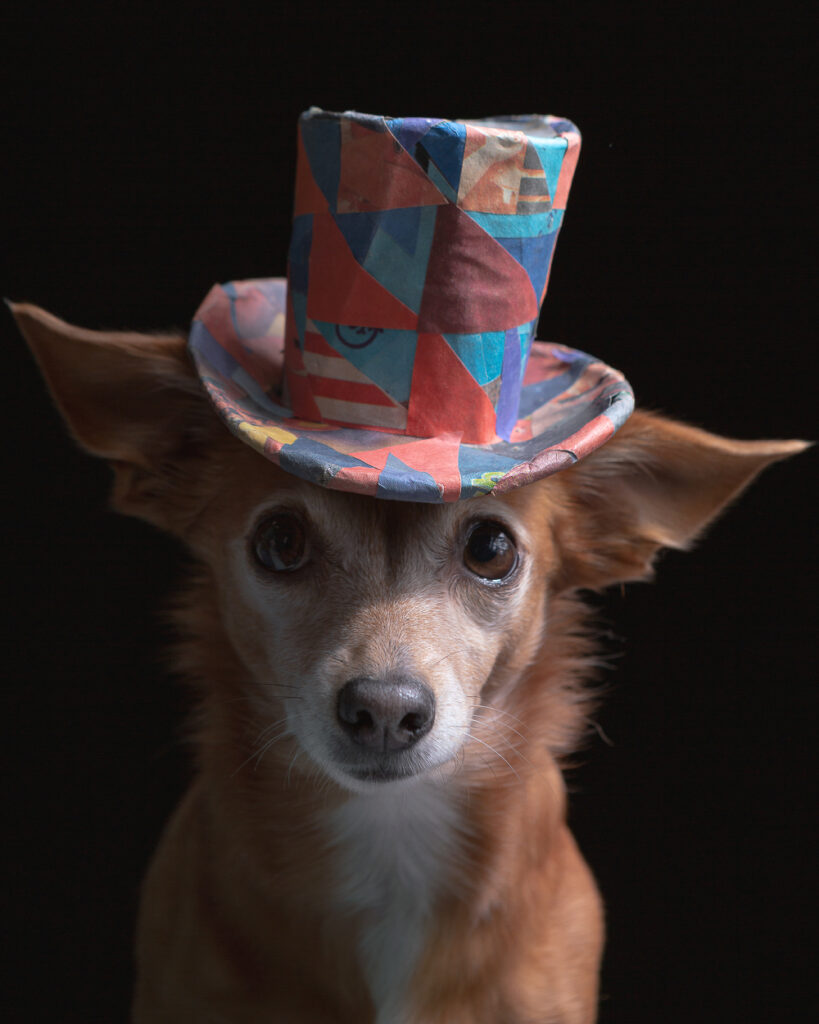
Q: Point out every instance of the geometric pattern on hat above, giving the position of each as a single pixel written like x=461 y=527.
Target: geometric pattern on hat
x=399 y=360
x=414 y=236
x=569 y=404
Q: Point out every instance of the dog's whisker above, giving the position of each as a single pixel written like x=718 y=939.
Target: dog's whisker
x=504 y=725
x=500 y=711
x=242 y=765
x=258 y=753
x=255 y=756
x=293 y=760
x=265 y=749
x=281 y=686
x=269 y=728
x=497 y=752
x=451 y=654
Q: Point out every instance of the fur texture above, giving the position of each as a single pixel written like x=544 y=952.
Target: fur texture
x=310 y=876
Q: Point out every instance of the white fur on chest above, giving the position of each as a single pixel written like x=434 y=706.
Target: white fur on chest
x=393 y=848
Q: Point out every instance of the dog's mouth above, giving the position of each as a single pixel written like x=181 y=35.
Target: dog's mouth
x=382 y=773
x=378 y=769
x=381 y=768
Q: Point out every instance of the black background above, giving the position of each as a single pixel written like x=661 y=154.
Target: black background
x=151 y=153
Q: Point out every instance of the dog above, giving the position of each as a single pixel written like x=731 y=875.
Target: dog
x=386 y=693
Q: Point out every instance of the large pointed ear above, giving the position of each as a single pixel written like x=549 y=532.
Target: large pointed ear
x=132 y=399
x=656 y=484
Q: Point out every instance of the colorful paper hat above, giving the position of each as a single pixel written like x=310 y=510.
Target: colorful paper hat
x=398 y=360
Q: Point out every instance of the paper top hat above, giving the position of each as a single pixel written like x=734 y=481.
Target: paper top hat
x=398 y=359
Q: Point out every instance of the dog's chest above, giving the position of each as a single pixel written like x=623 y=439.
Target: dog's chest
x=393 y=850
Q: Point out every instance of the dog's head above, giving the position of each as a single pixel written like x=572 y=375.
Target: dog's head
x=381 y=625
x=377 y=635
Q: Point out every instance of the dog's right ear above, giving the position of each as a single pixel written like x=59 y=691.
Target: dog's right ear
x=132 y=399
x=656 y=484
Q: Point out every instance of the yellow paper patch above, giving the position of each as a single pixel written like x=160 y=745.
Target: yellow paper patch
x=258 y=435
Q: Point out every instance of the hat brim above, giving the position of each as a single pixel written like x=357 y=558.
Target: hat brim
x=571 y=404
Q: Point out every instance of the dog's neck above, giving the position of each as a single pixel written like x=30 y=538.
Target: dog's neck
x=393 y=852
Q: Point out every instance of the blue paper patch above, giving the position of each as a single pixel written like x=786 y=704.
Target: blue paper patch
x=399 y=269
x=445 y=147
x=314 y=461
x=527 y=225
x=387 y=359
x=534 y=255
x=481 y=354
x=322 y=143
x=551 y=153
x=300 y=244
x=399 y=481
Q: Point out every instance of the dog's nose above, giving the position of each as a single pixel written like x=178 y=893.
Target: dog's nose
x=386 y=714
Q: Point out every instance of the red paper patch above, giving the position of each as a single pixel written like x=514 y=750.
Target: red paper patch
x=378 y=174
x=444 y=393
x=472 y=283
x=348 y=294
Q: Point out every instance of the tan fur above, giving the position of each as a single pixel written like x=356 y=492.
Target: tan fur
x=241 y=919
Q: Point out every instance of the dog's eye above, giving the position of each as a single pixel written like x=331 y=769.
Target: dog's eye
x=280 y=543
x=490 y=552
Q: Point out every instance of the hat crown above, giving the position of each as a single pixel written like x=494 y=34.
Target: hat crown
x=391 y=363
x=419 y=259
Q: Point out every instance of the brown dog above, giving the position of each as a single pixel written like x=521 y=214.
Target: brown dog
x=386 y=691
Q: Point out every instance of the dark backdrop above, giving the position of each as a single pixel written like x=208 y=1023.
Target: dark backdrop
x=150 y=154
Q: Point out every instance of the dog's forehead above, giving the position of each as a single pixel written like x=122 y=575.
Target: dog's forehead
x=339 y=513
x=338 y=510
x=356 y=520
x=381 y=532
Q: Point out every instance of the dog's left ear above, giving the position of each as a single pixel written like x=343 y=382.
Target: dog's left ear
x=132 y=399
x=656 y=484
